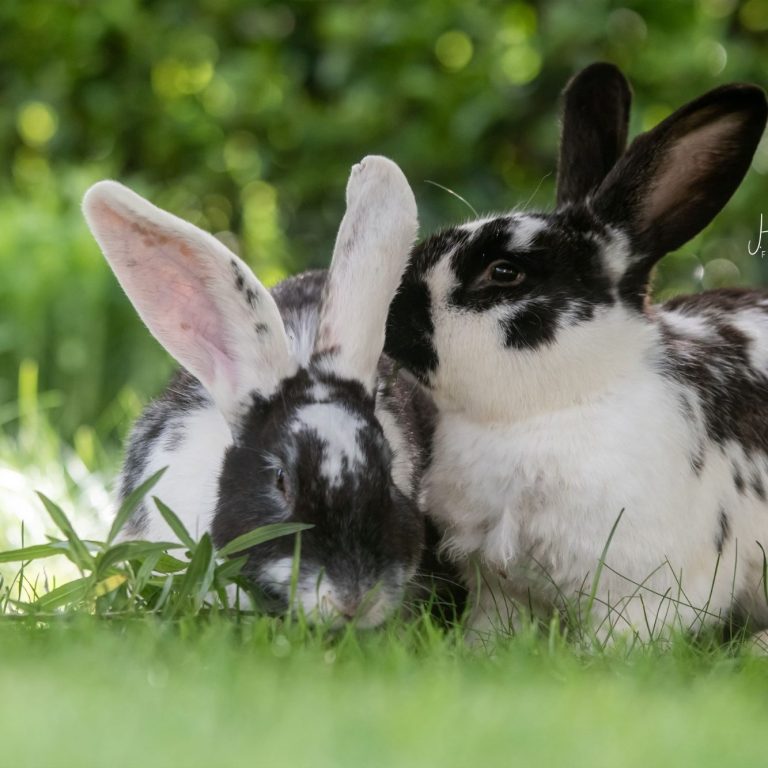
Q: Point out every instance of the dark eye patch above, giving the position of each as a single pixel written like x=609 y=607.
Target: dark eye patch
x=489 y=244
x=564 y=277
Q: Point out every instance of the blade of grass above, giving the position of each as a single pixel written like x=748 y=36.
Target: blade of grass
x=259 y=536
x=83 y=557
x=66 y=594
x=145 y=571
x=35 y=552
x=600 y=566
x=195 y=575
x=170 y=564
x=129 y=550
x=295 y=567
x=765 y=572
x=110 y=584
x=165 y=592
x=230 y=569
x=131 y=502
x=175 y=523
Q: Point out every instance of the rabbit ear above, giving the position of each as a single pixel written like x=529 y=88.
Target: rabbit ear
x=596 y=105
x=370 y=256
x=673 y=180
x=200 y=301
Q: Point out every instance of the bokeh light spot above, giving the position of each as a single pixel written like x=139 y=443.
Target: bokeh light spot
x=241 y=152
x=754 y=15
x=713 y=55
x=454 y=50
x=520 y=64
x=172 y=78
x=518 y=23
x=717 y=9
x=627 y=26
x=36 y=123
x=720 y=273
x=219 y=99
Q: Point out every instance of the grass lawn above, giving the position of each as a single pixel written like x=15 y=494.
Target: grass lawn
x=88 y=692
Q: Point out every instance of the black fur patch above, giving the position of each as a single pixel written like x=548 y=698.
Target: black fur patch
x=738 y=480
x=594 y=134
x=697 y=460
x=758 y=486
x=565 y=279
x=723 y=531
x=733 y=394
x=410 y=329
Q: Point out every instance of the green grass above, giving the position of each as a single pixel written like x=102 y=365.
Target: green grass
x=89 y=692
x=141 y=661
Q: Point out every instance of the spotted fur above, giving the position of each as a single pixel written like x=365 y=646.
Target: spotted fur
x=567 y=402
x=285 y=409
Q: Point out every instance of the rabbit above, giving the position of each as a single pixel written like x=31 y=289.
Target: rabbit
x=575 y=415
x=284 y=408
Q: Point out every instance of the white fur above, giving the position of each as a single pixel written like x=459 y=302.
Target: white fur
x=190 y=484
x=616 y=252
x=692 y=326
x=403 y=457
x=369 y=259
x=754 y=324
x=301 y=328
x=278 y=573
x=339 y=429
x=524 y=229
x=473 y=226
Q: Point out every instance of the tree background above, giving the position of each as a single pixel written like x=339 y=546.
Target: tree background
x=244 y=117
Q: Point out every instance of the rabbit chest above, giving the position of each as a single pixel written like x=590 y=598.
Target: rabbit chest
x=533 y=503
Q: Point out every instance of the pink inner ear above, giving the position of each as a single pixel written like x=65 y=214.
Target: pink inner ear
x=687 y=163
x=168 y=281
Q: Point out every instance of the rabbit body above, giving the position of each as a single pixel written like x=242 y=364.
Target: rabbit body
x=284 y=410
x=184 y=431
x=533 y=499
x=572 y=414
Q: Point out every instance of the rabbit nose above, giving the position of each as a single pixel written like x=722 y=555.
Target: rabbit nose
x=346 y=608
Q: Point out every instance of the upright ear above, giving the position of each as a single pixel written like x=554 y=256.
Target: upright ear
x=674 y=179
x=200 y=301
x=370 y=256
x=596 y=105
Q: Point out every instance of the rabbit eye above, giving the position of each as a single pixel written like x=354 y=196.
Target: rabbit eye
x=280 y=480
x=505 y=273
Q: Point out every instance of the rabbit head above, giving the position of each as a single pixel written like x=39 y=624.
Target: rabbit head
x=305 y=445
x=516 y=314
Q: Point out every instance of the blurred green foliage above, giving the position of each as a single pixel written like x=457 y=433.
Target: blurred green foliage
x=245 y=117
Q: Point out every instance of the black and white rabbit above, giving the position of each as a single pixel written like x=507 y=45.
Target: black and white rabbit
x=565 y=397
x=283 y=410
